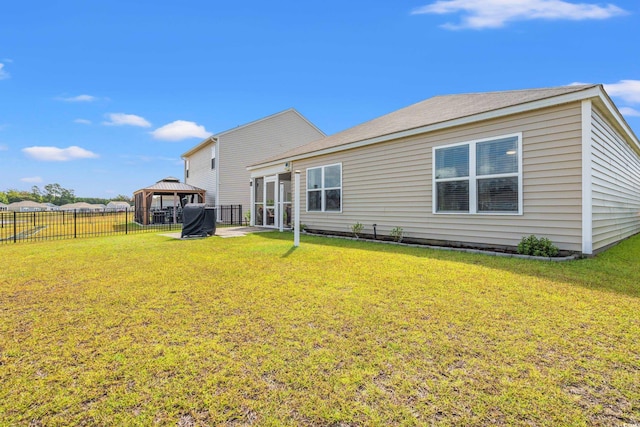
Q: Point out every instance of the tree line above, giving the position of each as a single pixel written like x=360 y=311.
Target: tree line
x=54 y=193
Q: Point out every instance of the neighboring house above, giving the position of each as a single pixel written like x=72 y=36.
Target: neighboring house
x=474 y=170
x=83 y=207
x=3 y=207
x=218 y=164
x=117 y=206
x=27 y=206
x=51 y=207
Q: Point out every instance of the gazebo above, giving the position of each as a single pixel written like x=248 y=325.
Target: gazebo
x=169 y=186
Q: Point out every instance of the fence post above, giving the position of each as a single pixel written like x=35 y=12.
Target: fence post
x=75 y=224
x=126 y=221
x=15 y=227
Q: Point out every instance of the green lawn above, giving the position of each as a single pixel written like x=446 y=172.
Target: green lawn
x=144 y=330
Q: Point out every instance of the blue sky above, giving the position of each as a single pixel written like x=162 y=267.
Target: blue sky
x=103 y=97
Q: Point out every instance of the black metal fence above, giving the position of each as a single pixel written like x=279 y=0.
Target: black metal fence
x=231 y=215
x=33 y=226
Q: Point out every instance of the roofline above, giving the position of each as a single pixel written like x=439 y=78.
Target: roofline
x=200 y=146
x=595 y=91
x=619 y=118
x=214 y=137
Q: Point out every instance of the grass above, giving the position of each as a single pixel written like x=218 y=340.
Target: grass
x=146 y=330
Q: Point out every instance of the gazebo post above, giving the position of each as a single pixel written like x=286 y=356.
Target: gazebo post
x=145 y=214
x=175 y=208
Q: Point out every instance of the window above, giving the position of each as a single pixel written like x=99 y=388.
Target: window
x=213 y=157
x=483 y=176
x=324 y=189
x=186 y=168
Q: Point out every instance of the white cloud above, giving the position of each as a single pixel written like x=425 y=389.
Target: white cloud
x=82 y=121
x=121 y=119
x=79 y=98
x=55 y=154
x=3 y=73
x=629 y=112
x=478 y=14
x=179 y=130
x=627 y=90
x=32 y=179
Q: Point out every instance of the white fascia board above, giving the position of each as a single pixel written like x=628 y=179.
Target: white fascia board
x=246 y=125
x=268 y=170
x=204 y=143
x=308 y=122
x=587 y=178
x=507 y=111
x=619 y=119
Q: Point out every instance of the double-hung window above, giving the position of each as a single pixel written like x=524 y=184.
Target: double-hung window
x=324 y=188
x=483 y=176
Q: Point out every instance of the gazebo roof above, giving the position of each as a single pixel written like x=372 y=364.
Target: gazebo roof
x=170 y=185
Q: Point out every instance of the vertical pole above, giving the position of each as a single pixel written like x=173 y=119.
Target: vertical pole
x=296 y=215
x=126 y=221
x=281 y=207
x=75 y=224
x=15 y=227
x=252 y=205
x=175 y=208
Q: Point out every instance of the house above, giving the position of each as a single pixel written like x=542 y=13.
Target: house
x=26 y=206
x=117 y=206
x=51 y=206
x=83 y=207
x=3 y=207
x=218 y=164
x=473 y=170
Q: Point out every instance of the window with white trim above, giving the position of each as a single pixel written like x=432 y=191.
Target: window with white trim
x=324 y=188
x=213 y=157
x=478 y=177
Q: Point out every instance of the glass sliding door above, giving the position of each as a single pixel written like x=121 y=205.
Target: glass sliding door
x=258 y=189
x=285 y=202
x=270 y=202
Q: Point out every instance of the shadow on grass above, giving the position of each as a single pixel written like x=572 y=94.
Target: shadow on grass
x=615 y=270
x=289 y=252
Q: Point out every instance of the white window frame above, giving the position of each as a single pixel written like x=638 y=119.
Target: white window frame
x=213 y=157
x=473 y=177
x=322 y=189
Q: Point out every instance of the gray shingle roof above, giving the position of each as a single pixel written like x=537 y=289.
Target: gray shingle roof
x=432 y=111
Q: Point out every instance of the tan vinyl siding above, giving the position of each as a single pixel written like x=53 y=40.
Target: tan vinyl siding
x=200 y=173
x=615 y=184
x=250 y=144
x=390 y=184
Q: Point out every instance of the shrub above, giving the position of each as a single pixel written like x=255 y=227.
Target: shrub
x=356 y=229
x=396 y=234
x=537 y=247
